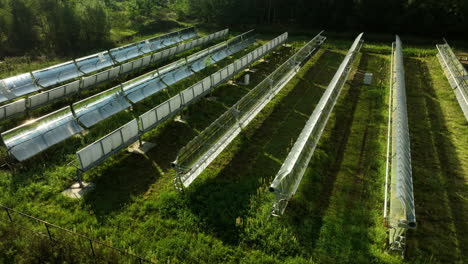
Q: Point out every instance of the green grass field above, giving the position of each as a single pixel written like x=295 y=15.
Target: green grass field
x=223 y=217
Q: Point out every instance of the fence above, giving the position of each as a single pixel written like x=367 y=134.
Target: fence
x=88 y=247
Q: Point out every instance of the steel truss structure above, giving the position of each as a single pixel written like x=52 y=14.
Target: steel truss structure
x=202 y=150
x=289 y=176
x=99 y=151
x=399 y=210
x=456 y=75
x=81 y=81
x=30 y=139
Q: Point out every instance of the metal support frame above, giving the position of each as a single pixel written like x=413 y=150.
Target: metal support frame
x=203 y=149
x=456 y=75
x=399 y=209
x=288 y=178
x=141 y=130
x=389 y=139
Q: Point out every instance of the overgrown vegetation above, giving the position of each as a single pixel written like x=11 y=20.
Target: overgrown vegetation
x=439 y=146
x=336 y=216
x=63 y=27
x=75 y=28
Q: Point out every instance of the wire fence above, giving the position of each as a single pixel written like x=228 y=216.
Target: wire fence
x=82 y=246
x=288 y=178
x=202 y=150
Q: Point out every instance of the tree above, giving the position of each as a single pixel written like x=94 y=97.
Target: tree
x=94 y=24
x=6 y=22
x=25 y=30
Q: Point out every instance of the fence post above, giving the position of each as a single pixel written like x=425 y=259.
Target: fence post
x=92 y=249
x=48 y=232
x=8 y=213
x=48 y=227
x=79 y=174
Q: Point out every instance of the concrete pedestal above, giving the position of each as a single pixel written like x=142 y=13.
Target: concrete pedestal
x=137 y=148
x=77 y=192
x=181 y=119
x=251 y=70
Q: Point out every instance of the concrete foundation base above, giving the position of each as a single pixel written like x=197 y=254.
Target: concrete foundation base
x=83 y=133
x=137 y=148
x=77 y=192
x=181 y=119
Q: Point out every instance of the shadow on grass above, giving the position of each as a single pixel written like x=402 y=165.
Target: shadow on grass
x=442 y=232
x=221 y=200
x=304 y=214
x=129 y=176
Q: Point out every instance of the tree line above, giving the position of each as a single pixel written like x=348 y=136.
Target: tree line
x=62 y=26
x=74 y=27
x=71 y=27
x=420 y=17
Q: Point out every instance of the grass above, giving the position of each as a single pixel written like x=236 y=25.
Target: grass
x=337 y=213
x=58 y=175
x=12 y=66
x=439 y=141
x=353 y=216
x=68 y=147
x=118 y=34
